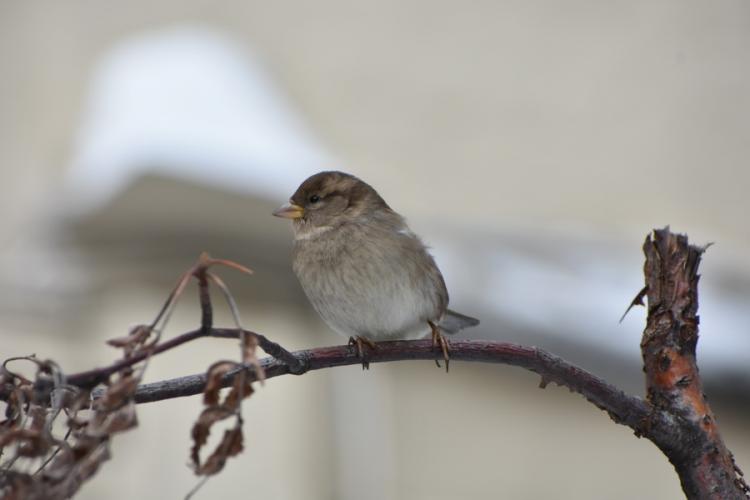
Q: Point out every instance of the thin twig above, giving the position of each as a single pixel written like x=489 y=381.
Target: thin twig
x=197 y=487
x=271 y=348
x=89 y=378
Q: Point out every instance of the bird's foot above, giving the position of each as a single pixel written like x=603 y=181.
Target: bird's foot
x=359 y=342
x=438 y=339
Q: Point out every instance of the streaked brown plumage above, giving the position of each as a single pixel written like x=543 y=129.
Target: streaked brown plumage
x=365 y=272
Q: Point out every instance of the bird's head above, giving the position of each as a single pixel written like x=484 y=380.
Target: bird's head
x=329 y=199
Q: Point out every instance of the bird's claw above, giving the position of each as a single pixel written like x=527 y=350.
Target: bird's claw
x=359 y=342
x=438 y=339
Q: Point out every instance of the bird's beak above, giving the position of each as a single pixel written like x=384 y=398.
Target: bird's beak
x=290 y=211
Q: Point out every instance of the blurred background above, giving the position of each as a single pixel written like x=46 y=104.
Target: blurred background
x=533 y=145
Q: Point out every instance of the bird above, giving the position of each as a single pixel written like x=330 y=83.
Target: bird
x=365 y=272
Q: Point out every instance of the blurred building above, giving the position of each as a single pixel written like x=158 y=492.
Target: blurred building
x=532 y=145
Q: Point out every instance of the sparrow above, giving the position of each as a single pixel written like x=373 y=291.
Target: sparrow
x=368 y=276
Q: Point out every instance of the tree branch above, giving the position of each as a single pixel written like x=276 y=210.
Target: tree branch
x=624 y=409
x=656 y=425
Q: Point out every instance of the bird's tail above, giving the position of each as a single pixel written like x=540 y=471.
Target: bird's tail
x=453 y=322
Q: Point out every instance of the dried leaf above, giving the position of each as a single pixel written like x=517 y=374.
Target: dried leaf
x=249 y=349
x=242 y=386
x=137 y=336
x=16 y=403
x=214 y=377
x=231 y=444
x=90 y=454
x=67 y=462
x=30 y=442
x=119 y=420
x=202 y=428
x=38 y=418
x=19 y=486
x=117 y=394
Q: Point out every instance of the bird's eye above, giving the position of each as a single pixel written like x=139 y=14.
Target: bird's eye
x=314 y=198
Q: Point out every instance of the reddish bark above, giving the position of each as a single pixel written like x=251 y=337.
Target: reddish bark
x=705 y=466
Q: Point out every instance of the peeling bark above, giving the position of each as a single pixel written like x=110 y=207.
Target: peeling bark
x=673 y=385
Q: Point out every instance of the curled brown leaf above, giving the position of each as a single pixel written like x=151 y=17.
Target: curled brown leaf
x=137 y=337
x=117 y=394
x=231 y=444
x=214 y=377
x=29 y=442
x=111 y=422
x=241 y=389
x=202 y=428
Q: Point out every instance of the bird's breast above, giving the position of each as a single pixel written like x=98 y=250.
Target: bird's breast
x=369 y=284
